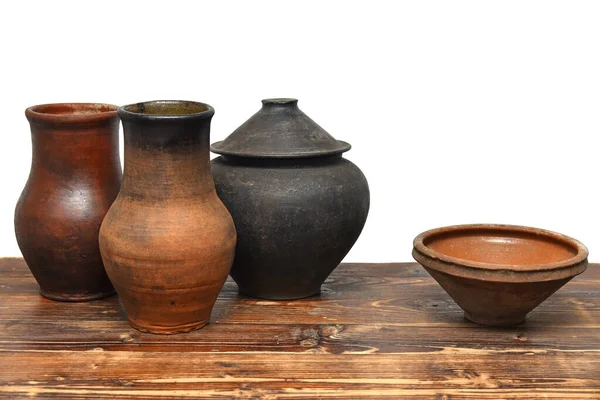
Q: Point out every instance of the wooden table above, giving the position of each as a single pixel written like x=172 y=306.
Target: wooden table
x=376 y=330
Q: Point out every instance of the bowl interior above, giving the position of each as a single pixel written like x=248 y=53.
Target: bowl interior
x=501 y=247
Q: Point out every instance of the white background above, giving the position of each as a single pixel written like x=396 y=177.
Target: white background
x=458 y=111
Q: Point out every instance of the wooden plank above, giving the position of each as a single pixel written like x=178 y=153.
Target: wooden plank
x=377 y=330
x=449 y=371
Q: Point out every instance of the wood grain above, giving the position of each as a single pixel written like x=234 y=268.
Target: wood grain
x=377 y=330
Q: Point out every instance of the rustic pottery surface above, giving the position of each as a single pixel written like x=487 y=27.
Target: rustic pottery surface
x=168 y=241
x=298 y=206
x=499 y=273
x=75 y=176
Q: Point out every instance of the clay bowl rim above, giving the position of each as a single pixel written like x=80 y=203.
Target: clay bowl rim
x=36 y=113
x=125 y=112
x=435 y=260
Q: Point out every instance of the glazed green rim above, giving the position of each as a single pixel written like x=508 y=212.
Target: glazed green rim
x=166 y=110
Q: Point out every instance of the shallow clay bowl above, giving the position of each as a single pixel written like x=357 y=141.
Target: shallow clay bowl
x=499 y=273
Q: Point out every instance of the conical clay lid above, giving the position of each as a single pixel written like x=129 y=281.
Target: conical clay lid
x=280 y=130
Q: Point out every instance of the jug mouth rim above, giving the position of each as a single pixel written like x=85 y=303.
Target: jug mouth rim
x=71 y=113
x=166 y=110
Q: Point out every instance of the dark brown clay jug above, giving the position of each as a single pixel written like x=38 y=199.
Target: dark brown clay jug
x=75 y=176
x=168 y=241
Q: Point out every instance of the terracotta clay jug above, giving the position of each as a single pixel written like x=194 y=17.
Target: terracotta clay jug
x=167 y=241
x=298 y=205
x=75 y=176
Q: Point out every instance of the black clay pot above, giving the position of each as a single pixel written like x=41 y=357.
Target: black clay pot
x=297 y=205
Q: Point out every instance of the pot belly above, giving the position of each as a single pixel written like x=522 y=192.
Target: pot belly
x=168 y=263
x=57 y=233
x=295 y=223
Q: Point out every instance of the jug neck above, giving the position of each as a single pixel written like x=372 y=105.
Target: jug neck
x=74 y=139
x=166 y=155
